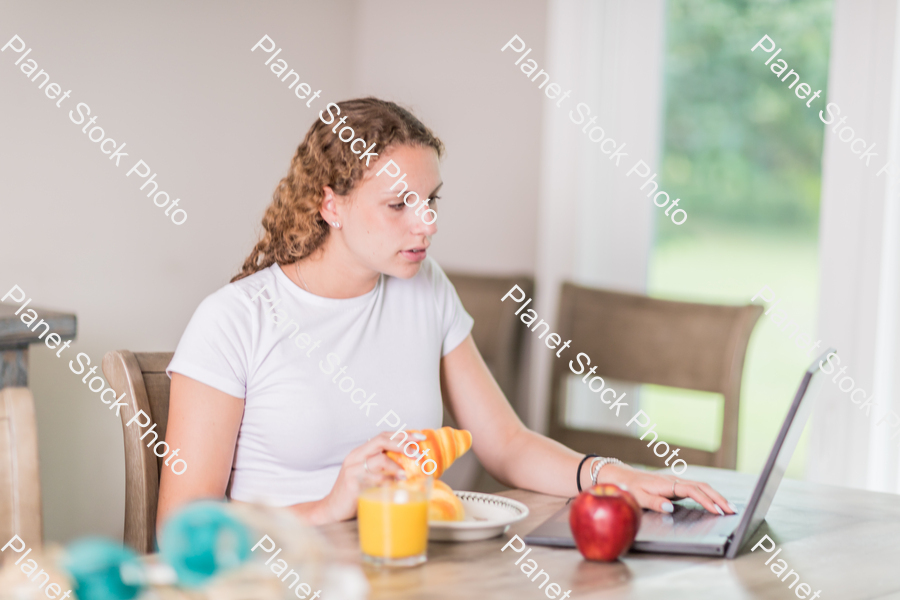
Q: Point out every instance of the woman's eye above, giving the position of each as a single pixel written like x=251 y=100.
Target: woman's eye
x=396 y=206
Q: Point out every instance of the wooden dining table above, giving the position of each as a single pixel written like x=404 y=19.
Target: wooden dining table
x=844 y=543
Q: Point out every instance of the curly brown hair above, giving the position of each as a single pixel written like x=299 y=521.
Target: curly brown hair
x=293 y=227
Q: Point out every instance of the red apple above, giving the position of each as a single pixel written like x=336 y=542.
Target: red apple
x=604 y=520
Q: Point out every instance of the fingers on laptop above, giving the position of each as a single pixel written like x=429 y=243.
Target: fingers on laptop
x=718 y=498
x=657 y=503
x=705 y=495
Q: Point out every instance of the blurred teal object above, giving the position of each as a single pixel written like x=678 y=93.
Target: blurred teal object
x=203 y=539
x=95 y=566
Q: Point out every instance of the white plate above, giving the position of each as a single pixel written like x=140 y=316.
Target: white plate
x=487 y=516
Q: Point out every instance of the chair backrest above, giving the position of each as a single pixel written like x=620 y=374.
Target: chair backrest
x=142 y=376
x=499 y=339
x=496 y=332
x=20 y=481
x=639 y=339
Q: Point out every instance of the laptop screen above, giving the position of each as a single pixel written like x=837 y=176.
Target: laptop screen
x=780 y=456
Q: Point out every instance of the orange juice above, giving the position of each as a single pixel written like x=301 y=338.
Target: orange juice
x=393 y=523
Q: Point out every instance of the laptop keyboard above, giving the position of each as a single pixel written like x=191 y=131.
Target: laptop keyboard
x=689 y=521
x=686 y=516
x=686 y=522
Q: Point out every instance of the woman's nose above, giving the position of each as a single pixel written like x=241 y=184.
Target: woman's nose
x=426 y=223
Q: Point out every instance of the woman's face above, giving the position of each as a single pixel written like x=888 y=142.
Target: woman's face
x=377 y=227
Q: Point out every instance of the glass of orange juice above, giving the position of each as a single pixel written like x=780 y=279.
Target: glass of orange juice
x=393 y=520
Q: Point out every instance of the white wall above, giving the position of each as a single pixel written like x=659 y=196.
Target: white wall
x=859 y=237
x=177 y=82
x=596 y=223
x=443 y=60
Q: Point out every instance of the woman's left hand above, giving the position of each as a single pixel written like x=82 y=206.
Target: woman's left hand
x=654 y=491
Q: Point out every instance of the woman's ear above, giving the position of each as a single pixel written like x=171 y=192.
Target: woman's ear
x=329 y=206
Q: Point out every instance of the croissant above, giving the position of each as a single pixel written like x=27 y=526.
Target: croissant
x=444 y=505
x=443 y=446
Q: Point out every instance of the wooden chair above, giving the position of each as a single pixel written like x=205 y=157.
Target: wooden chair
x=142 y=376
x=496 y=332
x=20 y=480
x=639 y=339
x=498 y=335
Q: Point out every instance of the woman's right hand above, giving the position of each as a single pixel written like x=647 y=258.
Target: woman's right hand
x=340 y=503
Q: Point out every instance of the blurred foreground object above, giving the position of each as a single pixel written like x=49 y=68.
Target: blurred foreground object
x=20 y=486
x=206 y=556
x=20 y=481
x=215 y=545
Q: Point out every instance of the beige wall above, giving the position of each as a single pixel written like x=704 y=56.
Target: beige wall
x=178 y=84
x=443 y=60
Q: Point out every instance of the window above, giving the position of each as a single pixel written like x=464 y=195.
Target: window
x=744 y=154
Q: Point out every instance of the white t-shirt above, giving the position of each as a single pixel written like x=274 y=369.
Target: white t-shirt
x=282 y=349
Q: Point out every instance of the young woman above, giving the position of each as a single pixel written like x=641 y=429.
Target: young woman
x=340 y=288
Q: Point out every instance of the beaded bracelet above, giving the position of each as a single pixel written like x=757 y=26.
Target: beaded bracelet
x=578 y=475
x=598 y=463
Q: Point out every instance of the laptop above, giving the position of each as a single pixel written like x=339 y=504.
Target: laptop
x=691 y=529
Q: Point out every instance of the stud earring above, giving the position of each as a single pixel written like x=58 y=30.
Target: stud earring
x=336 y=224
